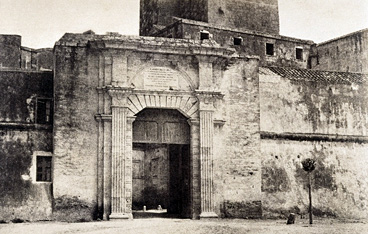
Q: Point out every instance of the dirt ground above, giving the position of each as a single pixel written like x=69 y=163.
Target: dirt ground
x=163 y=226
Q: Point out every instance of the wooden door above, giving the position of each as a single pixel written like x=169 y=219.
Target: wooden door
x=138 y=179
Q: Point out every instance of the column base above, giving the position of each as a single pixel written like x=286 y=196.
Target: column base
x=208 y=215
x=121 y=216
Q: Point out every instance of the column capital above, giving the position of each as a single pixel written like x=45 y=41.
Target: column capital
x=119 y=95
x=130 y=119
x=207 y=99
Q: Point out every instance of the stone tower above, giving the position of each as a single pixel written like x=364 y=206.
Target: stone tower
x=253 y=15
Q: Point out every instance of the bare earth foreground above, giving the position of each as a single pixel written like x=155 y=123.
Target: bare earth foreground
x=162 y=226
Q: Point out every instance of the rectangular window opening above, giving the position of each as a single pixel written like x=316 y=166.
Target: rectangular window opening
x=269 y=49
x=44 y=112
x=205 y=35
x=44 y=168
x=299 y=53
x=238 y=40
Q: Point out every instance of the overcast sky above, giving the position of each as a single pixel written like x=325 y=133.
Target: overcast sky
x=42 y=22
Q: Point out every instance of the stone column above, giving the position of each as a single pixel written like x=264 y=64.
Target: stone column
x=120 y=166
x=206 y=129
x=195 y=168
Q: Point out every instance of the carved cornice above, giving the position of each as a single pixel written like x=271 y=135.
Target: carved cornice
x=313 y=137
x=209 y=94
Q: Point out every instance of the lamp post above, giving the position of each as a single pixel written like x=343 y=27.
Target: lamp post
x=309 y=165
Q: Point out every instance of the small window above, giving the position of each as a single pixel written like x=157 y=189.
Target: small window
x=44 y=114
x=205 y=35
x=299 y=53
x=238 y=40
x=269 y=49
x=44 y=168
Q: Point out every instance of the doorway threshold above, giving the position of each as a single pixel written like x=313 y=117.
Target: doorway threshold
x=153 y=213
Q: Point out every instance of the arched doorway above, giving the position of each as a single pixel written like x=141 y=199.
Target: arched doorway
x=161 y=163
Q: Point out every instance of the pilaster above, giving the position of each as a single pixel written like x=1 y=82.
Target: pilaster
x=206 y=130
x=120 y=158
x=205 y=67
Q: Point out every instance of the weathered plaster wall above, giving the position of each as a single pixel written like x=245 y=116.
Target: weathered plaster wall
x=75 y=133
x=252 y=44
x=21 y=197
x=313 y=106
x=347 y=53
x=19 y=93
x=10 y=51
x=321 y=116
x=237 y=161
x=255 y=15
x=339 y=184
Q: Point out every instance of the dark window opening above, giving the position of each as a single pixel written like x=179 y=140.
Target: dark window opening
x=299 y=53
x=205 y=35
x=238 y=40
x=269 y=49
x=44 y=112
x=44 y=168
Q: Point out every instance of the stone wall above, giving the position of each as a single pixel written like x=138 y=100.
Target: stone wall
x=346 y=53
x=254 y=15
x=321 y=116
x=45 y=59
x=20 y=90
x=312 y=105
x=252 y=43
x=21 y=140
x=339 y=182
x=75 y=134
x=237 y=161
x=21 y=197
x=14 y=56
x=200 y=68
x=10 y=51
x=28 y=58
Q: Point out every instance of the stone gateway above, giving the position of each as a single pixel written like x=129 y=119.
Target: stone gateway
x=208 y=114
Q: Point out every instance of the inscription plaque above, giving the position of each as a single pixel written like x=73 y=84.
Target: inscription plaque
x=160 y=78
